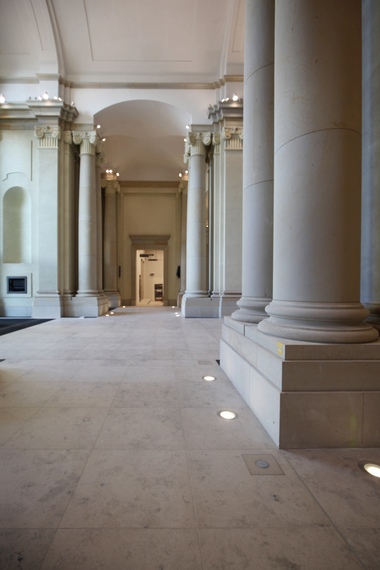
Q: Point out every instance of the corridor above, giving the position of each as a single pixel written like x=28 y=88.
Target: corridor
x=114 y=457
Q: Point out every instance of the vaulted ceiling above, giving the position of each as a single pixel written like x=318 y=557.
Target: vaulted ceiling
x=122 y=40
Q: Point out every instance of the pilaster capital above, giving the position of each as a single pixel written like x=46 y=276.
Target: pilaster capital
x=48 y=137
x=87 y=141
x=182 y=188
x=233 y=137
x=111 y=186
x=68 y=137
x=101 y=158
x=196 y=144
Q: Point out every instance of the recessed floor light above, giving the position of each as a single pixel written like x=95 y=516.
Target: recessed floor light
x=227 y=415
x=372 y=469
x=112 y=313
x=209 y=378
x=123 y=306
x=173 y=307
x=107 y=315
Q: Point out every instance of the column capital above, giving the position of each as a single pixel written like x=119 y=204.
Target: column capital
x=87 y=141
x=68 y=137
x=196 y=144
x=233 y=137
x=47 y=136
x=111 y=186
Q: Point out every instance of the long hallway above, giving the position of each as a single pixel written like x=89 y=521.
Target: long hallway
x=113 y=456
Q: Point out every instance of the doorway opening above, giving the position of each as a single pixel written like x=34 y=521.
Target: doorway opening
x=149 y=277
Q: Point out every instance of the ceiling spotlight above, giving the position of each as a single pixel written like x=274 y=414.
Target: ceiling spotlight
x=104 y=139
x=180 y=174
x=227 y=415
x=372 y=469
x=117 y=173
x=72 y=104
x=123 y=306
x=59 y=98
x=227 y=99
x=2 y=99
x=98 y=126
x=40 y=98
x=110 y=171
x=186 y=172
x=188 y=127
x=184 y=140
x=223 y=100
x=209 y=378
x=55 y=98
x=235 y=97
x=45 y=96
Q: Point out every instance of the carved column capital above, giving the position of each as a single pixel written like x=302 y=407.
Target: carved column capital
x=111 y=186
x=196 y=144
x=48 y=137
x=87 y=141
x=233 y=137
x=68 y=137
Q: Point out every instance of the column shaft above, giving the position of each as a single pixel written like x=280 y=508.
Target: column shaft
x=110 y=260
x=257 y=161
x=370 y=270
x=317 y=173
x=69 y=216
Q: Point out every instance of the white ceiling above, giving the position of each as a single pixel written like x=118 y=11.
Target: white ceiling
x=122 y=40
x=144 y=139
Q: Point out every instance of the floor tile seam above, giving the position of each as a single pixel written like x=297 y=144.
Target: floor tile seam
x=351 y=549
x=195 y=509
x=21 y=427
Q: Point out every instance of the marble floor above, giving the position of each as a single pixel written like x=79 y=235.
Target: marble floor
x=112 y=456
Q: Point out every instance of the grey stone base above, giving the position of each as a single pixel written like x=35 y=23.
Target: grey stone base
x=200 y=307
x=228 y=304
x=306 y=395
x=47 y=306
x=114 y=298
x=82 y=306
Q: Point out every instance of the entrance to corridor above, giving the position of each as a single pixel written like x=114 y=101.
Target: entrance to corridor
x=149 y=277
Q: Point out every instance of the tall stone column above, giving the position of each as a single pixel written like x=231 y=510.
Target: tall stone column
x=257 y=161
x=69 y=216
x=100 y=159
x=370 y=272
x=193 y=302
x=183 y=190
x=110 y=243
x=87 y=234
x=47 y=302
x=317 y=173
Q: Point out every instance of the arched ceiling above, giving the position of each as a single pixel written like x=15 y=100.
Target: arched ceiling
x=144 y=139
x=92 y=41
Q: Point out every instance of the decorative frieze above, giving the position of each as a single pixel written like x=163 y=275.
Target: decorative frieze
x=48 y=137
x=233 y=138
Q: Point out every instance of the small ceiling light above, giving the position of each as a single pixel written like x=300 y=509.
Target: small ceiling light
x=186 y=172
x=59 y=98
x=55 y=98
x=117 y=173
x=98 y=126
x=209 y=378
x=184 y=140
x=188 y=127
x=227 y=99
x=2 y=99
x=123 y=306
x=223 y=100
x=104 y=139
x=227 y=415
x=173 y=307
x=180 y=174
x=72 y=104
x=112 y=313
x=107 y=315
x=235 y=97
x=40 y=98
x=177 y=315
x=372 y=469
x=45 y=96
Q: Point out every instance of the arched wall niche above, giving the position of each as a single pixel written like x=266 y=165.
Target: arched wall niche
x=17 y=226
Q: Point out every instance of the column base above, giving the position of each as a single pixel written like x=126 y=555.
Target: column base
x=114 y=298
x=199 y=307
x=85 y=306
x=252 y=309
x=228 y=303
x=318 y=322
x=47 y=306
x=179 y=298
x=306 y=395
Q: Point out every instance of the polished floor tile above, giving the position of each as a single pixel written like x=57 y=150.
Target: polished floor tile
x=12 y=419
x=24 y=549
x=132 y=489
x=76 y=394
x=147 y=395
x=121 y=549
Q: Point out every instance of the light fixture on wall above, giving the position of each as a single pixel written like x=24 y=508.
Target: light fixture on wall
x=180 y=174
x=186 y=172
x=59 y=98
x=98 y=126
x=117 y=173
x=235 y=97
x=72 y=104
x=104 y=139
x=45 y=96
x=188 y=127
x=2 y=99
x=184 y=140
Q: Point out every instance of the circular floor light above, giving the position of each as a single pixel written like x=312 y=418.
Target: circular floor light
x=112 y=313
x=209 y=378
x=372 y=469
x=227 y=415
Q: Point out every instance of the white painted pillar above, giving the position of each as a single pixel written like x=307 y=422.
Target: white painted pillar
x=47 y=302
x=317 y=173
x=370 y=271
x=110 y=237
x=257 y=161
x=183 y=190
x=87 y=231
x=196 y=254
x=69 y=216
